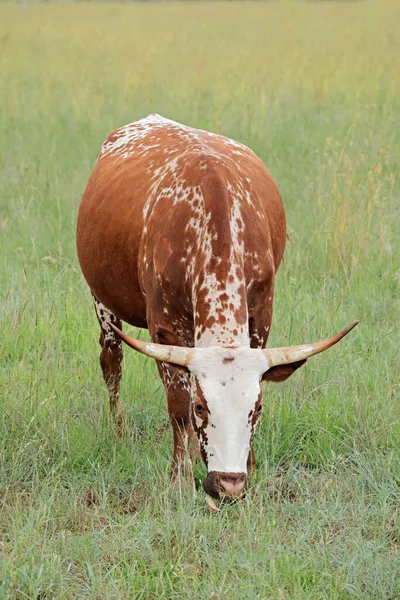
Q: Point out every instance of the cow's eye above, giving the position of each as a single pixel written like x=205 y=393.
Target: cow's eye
x=199 y=409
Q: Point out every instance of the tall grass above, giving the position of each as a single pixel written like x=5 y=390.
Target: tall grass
x=313 y=88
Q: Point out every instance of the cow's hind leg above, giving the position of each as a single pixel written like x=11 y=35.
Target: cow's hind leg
x=111 y=361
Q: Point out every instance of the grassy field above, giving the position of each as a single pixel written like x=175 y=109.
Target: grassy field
x=313 y=88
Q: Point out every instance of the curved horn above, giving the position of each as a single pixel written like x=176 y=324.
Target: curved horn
x=172 y=354
x=289 y=354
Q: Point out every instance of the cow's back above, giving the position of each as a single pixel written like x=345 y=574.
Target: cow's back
x=143 y=197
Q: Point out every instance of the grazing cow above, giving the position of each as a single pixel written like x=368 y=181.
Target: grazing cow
x=181 y=231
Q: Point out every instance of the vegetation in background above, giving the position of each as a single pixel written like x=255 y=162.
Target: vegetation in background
x=314 y=89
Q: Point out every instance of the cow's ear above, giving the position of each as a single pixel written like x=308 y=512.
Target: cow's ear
x=168 y=337
x=282 y=372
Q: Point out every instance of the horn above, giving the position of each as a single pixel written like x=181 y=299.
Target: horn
x=172 y=354
x=284 y=356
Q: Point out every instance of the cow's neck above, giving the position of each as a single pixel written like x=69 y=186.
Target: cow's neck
x=218 y=286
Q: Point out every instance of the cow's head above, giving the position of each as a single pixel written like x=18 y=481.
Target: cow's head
x=226 y=401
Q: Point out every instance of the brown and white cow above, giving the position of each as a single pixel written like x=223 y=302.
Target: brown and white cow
x=182 y=231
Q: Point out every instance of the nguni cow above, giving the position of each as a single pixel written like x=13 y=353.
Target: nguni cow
x=181 y=231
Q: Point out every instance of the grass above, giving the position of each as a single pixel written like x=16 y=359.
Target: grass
x=313 y=88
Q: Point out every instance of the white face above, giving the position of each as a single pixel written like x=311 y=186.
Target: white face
x=226 y=399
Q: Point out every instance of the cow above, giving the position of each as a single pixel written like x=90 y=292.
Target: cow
x=181 y=231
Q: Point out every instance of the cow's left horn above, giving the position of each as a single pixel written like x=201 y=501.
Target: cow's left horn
x=172 y=354
x=290 y=354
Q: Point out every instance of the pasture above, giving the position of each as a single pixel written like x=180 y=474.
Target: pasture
x=313 y=88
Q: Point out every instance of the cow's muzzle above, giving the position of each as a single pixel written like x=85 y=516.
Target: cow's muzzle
x=219 y=485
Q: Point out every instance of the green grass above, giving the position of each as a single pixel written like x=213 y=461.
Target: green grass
x=313 y=88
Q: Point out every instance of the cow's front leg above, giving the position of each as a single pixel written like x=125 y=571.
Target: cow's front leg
x=177 y=385
x=259 y=329
x=181 y=468
x=251 y=461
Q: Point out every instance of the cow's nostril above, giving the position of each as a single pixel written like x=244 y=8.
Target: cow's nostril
x=233 y=486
